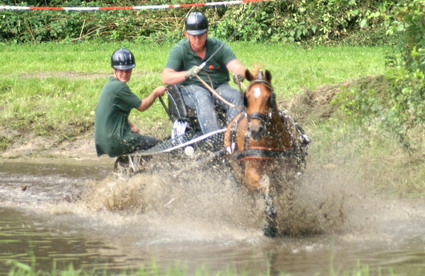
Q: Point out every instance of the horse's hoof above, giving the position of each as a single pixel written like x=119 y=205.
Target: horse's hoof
x=270 y=231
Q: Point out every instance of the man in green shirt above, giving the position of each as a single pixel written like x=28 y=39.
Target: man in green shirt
x=183 y=67
x=114 y=134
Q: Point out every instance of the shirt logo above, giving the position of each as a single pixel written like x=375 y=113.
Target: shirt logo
x=212 y=67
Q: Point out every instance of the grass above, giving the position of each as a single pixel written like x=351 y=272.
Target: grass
x=295 y=69
x=21 y=269
x=53 y=88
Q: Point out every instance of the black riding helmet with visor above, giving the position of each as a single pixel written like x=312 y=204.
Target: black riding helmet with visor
x=196 y=23
x=123 y=59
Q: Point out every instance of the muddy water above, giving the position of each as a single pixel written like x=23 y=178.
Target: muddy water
x=73 y=212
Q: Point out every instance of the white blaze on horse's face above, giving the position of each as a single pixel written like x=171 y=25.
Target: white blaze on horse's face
x=257 y=92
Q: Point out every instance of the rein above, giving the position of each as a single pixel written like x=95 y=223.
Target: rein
x=262 y=153
x=214 y=92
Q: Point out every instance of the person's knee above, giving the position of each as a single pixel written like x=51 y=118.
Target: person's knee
x=202 y=95
x=238 y=100
x=230 y=93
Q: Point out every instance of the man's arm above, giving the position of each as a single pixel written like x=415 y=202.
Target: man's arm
x=235 y=67
x=171 y=76
x=148 y=101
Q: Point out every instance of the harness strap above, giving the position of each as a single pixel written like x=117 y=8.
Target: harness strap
x=262 y=153
x=264 y=118
x=234 y=130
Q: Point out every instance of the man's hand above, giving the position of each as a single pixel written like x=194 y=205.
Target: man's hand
x=159 y=91
x=193 y=72
x=134 y=128
x=238 y=78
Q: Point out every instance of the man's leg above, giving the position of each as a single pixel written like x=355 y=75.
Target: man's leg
x=233 y=96
x=147 y=142
x=201 y=100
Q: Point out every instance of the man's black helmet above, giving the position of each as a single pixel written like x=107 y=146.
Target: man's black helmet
x=196 y=23
x=123 y=59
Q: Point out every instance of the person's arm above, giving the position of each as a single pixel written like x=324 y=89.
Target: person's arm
x=235 y=67
x=171 y=76
x=148 y=101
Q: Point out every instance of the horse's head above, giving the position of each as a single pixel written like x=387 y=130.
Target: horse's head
x=260 y=100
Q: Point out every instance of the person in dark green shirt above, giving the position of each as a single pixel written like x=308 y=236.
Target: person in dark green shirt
x=114 y=134
x=183 y=66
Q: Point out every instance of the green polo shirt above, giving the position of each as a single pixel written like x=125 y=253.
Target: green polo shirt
x=182 y=58
x=113 y=134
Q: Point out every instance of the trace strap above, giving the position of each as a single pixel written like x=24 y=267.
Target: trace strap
x=262 y=153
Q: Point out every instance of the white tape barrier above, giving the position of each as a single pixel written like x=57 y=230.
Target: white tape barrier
x=152 y=7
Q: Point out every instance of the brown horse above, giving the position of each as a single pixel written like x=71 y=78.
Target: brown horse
x=265 y=146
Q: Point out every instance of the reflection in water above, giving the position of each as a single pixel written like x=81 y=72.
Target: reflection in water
x=79 y=214
x=23 y=237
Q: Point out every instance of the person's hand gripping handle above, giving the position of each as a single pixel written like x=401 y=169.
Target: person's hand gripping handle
x=193 y=71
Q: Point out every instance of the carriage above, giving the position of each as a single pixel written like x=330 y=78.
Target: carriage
x=186 y=139
x=263 y=145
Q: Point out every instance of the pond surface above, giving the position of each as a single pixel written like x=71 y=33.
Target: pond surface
x=79 y=213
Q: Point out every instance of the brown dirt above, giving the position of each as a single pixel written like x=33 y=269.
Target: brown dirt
x=36 y=147
x=316 y=105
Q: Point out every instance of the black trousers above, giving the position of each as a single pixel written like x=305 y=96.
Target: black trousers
x=147 y=142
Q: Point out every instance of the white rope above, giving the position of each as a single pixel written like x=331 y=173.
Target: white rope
x=148 y=7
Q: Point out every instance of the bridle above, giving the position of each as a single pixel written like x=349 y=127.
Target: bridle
x=245 y=151
x=263 y=117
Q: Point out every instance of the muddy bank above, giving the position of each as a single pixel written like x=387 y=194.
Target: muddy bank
x=46 y=147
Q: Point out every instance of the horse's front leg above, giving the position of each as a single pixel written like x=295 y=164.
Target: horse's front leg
x=257 y=180
x=253 y=175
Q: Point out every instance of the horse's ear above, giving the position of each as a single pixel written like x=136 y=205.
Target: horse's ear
x=268 y=76
x=248 y=75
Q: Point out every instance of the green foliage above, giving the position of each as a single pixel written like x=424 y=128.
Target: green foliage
x=406 y=72
x=401 y=105
x=406 y=111
x=283 y=21
x=408 y=22
x=317 y=21
x=39 y=26
x=397 y=102
x=359 y=102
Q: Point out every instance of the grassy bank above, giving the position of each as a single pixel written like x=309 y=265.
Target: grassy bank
x=52 y=89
